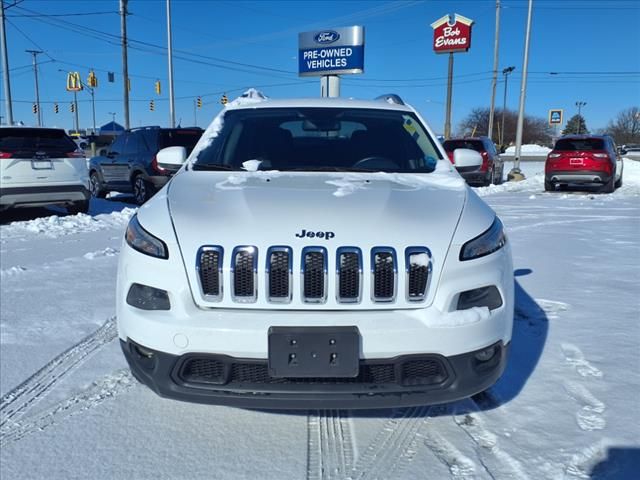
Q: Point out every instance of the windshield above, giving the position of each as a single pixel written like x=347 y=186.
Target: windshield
x=48 y=140
x=317 y=139
x=572 y=145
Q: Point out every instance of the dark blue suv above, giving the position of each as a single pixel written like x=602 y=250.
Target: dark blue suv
x=129 y=165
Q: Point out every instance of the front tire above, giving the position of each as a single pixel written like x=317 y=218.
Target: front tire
x=618 y=184
x=142 y=190
x=549 y=187
x=610 y=186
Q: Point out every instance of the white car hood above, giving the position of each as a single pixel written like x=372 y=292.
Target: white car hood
x=265 y=209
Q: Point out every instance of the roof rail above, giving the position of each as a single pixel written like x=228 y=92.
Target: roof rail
x=148 y=127
x=391 y=98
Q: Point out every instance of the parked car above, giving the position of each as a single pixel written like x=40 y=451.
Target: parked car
x=130 y=164
x=584 y=160
x=631 y=151
x=42 y=167
x=316 y=253
x=492 y=168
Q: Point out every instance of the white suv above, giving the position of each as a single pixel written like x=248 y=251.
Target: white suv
x=317 y=253
x=42 y=166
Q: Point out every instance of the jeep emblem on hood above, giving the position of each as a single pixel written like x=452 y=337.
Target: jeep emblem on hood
x=328 y=36
x=309 y=234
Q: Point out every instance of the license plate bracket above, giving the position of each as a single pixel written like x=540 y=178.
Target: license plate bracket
x=314 y=351
x=576 y=161
x=41 y=164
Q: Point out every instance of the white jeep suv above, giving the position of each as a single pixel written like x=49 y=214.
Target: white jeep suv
x=40 y=167
x=317 y=253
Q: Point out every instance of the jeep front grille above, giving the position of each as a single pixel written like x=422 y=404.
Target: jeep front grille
x=314 y=274
x=384 y=273
x=281 y=286
x=244 y=270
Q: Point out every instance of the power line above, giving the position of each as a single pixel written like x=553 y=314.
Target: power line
x=62 y=14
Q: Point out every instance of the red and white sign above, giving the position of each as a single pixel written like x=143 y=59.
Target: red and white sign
x=452 y=37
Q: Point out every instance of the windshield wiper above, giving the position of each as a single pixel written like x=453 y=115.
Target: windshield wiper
x=212 y=166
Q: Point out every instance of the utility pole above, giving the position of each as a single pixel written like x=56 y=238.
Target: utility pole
x=495 y=71
x=447 y=121
x=580 y=104
x=172 y=111
x=515 y=174
x=125 y=66
x=5 y=67
x=506 y=73
x=76 y=115
x=35 y=54
x=195 y=114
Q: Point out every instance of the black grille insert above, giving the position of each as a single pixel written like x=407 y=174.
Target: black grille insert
x=349 y=275
x=384 y=274
x=244 y=273
x=418 y=266
x=279 y=273
x=210 y=267
x=314 y=268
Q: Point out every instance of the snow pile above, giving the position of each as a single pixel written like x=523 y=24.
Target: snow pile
x=107 y=252
x=55 y=226
x=251 y=165
x=250 y=96
x=460 y=317
x=12 y=271
x=212 y=131
x=529 y=150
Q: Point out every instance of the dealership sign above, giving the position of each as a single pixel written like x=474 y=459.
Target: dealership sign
x=555 y=117
x=331 y=51
x=452 y=37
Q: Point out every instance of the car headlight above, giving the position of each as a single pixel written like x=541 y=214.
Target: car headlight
x=142 y=241
x=488 y=242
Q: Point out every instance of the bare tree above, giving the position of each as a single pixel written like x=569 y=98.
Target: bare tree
x=625 y=127
x=536 y=130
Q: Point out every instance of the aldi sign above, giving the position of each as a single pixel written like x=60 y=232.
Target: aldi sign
x=452 y=37
x=331 y=51
x=555 y=117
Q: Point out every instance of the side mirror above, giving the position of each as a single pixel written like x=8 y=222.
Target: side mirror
x=171 y=157
x=622 y=151
x=466 y=158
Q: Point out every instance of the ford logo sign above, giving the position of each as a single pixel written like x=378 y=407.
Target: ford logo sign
x=328 y=36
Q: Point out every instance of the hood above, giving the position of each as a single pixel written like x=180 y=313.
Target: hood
x=300 y=209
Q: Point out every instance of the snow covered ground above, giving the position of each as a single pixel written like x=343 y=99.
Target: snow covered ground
x=566 y=408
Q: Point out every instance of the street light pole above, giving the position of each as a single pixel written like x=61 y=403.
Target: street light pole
x=506 y=73
x=125 y=63
x=5 y=67
x=580 y=104
x=172 y=111
x=35 y=54
x=447 y=121
x=515 y=174
x=494 y=81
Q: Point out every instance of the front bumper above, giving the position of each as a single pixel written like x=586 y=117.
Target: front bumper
x=409 y=380
x=43 y=195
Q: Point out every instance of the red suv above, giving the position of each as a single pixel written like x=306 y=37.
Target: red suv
x=584 y=160
x=492 y=168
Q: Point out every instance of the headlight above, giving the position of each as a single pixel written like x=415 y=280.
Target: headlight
x=141 y=240
x=484 y=244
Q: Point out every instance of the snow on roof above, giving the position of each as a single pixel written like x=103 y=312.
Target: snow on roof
x=318 y=102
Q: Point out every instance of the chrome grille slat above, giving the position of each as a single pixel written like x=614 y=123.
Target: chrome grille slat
x=314 y=274
x=279 y=274
x=384 y=274
x=244 y=272
x=348 y=275
x=209 y=266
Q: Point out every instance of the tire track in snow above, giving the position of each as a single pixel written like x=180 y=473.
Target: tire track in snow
x=393 y=446
x=108 y=387
x=18 y=401
x=458 y=464
x=582 y=463
x=496 y=462
x=589 y=417
x=329 y=445
x=574 y=356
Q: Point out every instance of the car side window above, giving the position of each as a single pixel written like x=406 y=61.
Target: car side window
x=117 y=147
x=133 y=144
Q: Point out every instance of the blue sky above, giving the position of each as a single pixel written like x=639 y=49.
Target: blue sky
x=227 y=46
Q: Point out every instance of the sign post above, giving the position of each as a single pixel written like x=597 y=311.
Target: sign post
x=451 y=37
x=329 y=53
x=555 y=119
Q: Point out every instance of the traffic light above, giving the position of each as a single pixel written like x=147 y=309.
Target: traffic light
x=35 y=108
x=92 y=80
x=224 y=99
x=55 y=107
x=152 y=105
x=158 y=87
x=72 y=107
x=199 y=102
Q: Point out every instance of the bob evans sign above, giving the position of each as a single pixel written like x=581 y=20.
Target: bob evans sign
x=331 y=51
x=452 y=37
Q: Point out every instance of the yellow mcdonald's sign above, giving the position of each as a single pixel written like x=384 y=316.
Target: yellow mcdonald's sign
x=74 y=84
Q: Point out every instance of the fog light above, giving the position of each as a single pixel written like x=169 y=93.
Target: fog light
x=480 y=297
x=486 y=354
x=148 y=298
x=143 y=352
